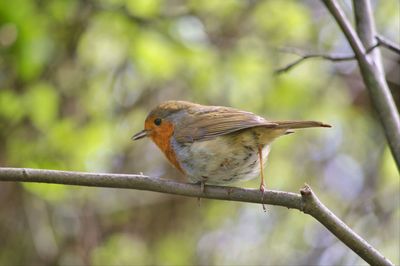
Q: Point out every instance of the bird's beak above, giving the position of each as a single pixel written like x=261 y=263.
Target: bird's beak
x=141 y=134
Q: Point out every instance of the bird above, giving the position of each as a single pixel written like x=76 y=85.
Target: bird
x=215 y=145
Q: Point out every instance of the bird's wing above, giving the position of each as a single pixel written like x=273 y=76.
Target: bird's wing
x=214 y=121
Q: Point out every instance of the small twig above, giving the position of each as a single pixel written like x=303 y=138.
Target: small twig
x=303 y=56
x=333 y=58
x=388 y=44
x=307 y=202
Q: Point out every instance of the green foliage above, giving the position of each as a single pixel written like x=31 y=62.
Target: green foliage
x=33 y=47
x=106 y=41
x=11 y=107
x=50 y=192
x=121 y=250
x=155 y=56
x=175 y=249
x=144 y=8
x=42 y=101
x=291 y=25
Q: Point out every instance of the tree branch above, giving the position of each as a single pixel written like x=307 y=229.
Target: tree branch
x=333 y=58
x=306 y=202
x=365 y=27
x=371 y=70
x=305 y=56
x=388 y=44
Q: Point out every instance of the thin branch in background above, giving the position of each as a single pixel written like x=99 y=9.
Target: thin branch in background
x=333 y=58
x=306 y=202
x=373 y=77
x=388 y=44
x=329 y=57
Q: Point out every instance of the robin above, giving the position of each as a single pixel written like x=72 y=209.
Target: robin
x=213 y=144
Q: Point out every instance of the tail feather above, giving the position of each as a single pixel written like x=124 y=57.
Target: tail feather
x=299 y=124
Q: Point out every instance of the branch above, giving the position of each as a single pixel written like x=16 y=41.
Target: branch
x=333 y=58
x=388 y=44
x=365 y=27
x=306 y=202
x=371 y=70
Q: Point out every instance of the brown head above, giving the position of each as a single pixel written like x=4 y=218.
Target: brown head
x=160 y=125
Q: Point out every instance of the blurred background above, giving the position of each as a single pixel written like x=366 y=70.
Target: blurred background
x=77 y=79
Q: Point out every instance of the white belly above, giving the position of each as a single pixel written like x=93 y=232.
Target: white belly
x=218 y=161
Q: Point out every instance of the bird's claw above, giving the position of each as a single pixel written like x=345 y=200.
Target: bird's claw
x=262 y=190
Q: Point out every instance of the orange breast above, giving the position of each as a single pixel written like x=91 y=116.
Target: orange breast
x=162 y=138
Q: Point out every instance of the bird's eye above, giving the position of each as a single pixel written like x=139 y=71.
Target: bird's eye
x=157 y=121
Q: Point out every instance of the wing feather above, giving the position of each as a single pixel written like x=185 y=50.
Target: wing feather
x=201 y=124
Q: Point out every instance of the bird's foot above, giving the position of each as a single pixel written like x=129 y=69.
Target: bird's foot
x=202 y=189
x=262 y=190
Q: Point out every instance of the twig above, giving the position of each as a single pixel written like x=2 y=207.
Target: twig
x=306 y=202
x=330 y=57
x=374 y=78
x=388 y=44
x=333 y=58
